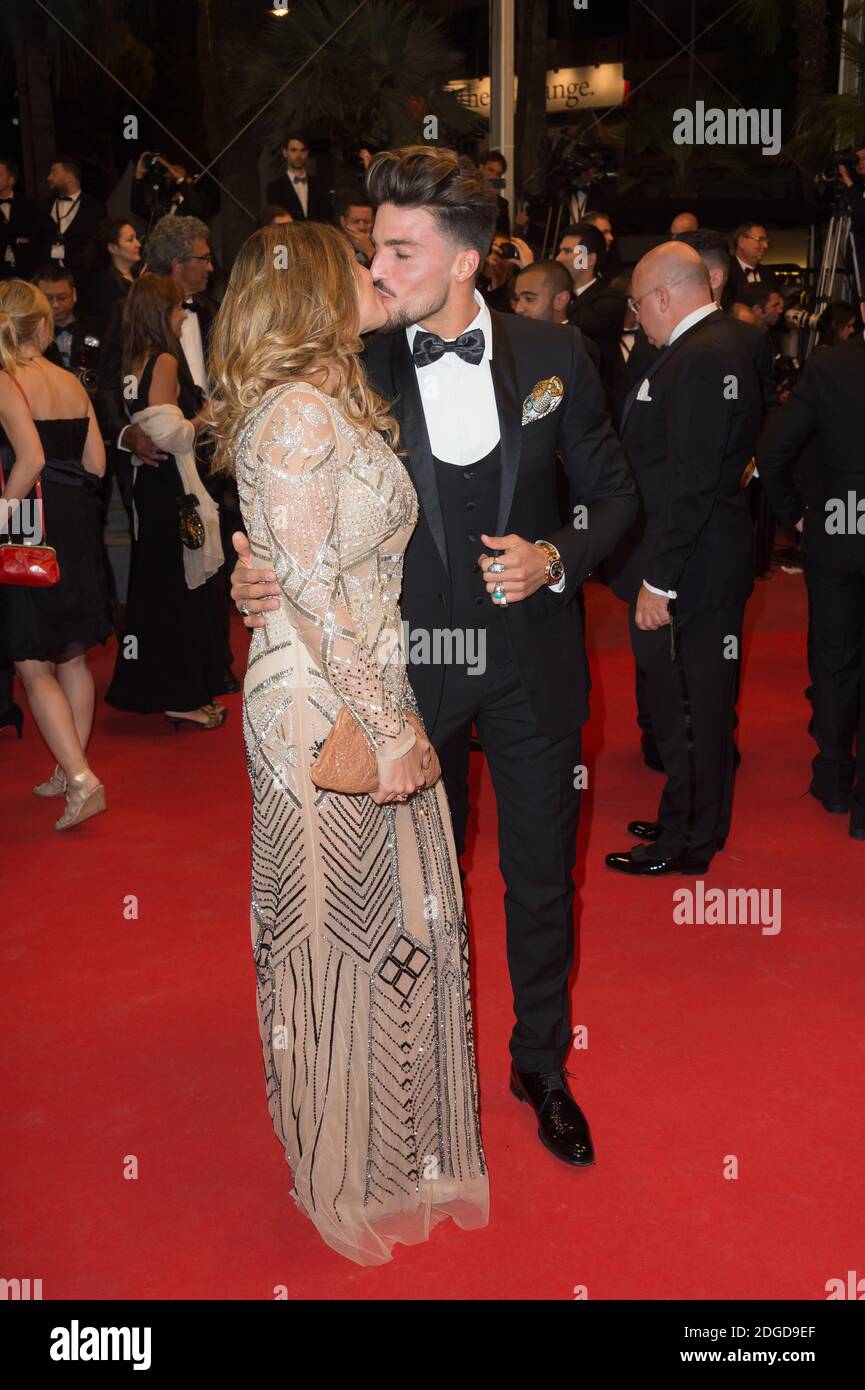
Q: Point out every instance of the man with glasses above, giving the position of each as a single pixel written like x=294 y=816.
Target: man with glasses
x=748 y=246
x=689 y=428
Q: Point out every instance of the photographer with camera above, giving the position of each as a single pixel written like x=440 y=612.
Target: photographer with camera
x=160 y=189
x=77 y=341
x=506 y=256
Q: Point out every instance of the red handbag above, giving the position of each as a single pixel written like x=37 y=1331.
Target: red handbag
x=33 y=566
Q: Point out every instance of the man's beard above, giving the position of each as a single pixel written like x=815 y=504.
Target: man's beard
x=404 y=316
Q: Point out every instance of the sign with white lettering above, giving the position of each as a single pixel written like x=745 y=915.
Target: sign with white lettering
x=568 y=89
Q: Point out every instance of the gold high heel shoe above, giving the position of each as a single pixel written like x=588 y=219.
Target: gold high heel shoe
x=55 y=786
x=216 y=717
x=81 y=805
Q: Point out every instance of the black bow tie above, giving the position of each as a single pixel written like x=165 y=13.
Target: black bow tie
x=5 y=202
x=190 y=306
x=64 y=198
x=429 y=347
x=299 y=178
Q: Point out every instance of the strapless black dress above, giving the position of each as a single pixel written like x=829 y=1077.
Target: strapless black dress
x=65 y=619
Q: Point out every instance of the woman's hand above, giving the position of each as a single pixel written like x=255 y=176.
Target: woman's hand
x=400 y=778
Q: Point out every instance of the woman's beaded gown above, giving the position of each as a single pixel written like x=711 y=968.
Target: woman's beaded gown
x=357 y=918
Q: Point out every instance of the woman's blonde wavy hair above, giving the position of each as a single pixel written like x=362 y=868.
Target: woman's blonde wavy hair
x=22 y=306
x=291 y=311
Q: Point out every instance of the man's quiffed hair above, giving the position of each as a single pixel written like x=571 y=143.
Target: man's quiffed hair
x=709 y=245
x=445 y=184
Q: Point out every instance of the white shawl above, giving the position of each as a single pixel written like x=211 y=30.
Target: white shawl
x=170 y=431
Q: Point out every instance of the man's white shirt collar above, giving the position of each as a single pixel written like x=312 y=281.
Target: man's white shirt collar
x=481 y=320
x=690 y=319
x=586 y=286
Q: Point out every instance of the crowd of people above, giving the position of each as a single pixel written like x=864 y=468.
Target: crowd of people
x=393 y=363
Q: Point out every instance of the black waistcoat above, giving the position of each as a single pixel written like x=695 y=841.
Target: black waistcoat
x=469 y=498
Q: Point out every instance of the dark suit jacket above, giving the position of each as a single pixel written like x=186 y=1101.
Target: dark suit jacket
x=21 y=232
x=81 y=355
x=827 y=403
x=737 y=282
x=599 y=313
x=688 y=443
x=78 y=236
x=546 y=629
x=319 y=200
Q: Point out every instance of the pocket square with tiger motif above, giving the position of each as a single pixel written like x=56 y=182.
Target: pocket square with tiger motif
x=544 y=397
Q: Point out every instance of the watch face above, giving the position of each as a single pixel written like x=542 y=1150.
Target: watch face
x=557 y=569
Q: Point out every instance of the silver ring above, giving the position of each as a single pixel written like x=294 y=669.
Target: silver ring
x=244 y=610
x=497 y=567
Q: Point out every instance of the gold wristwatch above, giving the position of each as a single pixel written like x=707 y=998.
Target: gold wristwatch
x=555 y=570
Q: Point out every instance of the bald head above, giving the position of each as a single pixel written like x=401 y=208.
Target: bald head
x=683 y=222
x=670 y=282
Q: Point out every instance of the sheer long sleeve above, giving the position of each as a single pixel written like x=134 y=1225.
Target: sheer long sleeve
x=299 y=480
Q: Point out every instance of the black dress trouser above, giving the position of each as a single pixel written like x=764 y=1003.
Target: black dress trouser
x=837 y=659
x=689 y=674
x=538 y=805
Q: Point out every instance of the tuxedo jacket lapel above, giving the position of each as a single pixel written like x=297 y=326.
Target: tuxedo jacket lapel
x=660 y=361
x=414 y=438
x=509 y=407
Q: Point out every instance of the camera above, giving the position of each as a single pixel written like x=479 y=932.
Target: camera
x=845 y=157
x=506 y=251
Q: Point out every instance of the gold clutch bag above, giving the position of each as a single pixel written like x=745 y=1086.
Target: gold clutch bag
x=346 y=762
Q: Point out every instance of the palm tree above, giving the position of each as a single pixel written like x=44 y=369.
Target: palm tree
x=369 y=69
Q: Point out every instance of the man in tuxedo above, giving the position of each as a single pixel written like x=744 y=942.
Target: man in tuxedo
x=749 y=245
x=828 y=403
x=77 y=340
x=19 y=223
x=70 y=219
x=179 y=247
x=596 y=308
x=689 y=429
x=487 y=403
x=300 y=192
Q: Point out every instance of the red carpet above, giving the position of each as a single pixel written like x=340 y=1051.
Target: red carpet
x=133 y=1033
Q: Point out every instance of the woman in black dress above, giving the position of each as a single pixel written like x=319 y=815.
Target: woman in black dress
x=115 y=259
x=170 y=656
x=48 y=432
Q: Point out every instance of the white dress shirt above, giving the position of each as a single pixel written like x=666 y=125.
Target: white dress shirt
x=301 y=189
x=459 y=401
x=682 y=327
x=193 y=349
x=581 y=289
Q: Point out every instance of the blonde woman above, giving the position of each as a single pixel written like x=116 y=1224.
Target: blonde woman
x=48 y=431
x=358 y=927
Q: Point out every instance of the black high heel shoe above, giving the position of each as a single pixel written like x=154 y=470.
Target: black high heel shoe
x=13 y=715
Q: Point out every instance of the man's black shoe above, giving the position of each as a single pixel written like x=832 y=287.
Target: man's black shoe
x=562 y=1126
x=645 y=829
x=836 y=804
x=650 y=830
x=632 y=862
x=230 y=683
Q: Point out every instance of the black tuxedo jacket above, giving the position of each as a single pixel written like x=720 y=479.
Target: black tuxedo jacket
x=80 y=354
x=546 y=629
x=738 y=282
x=78 y=236
x=319 y=201
x=827 y=403
x=599 y=313
x=689 y=429
x=21 y=232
